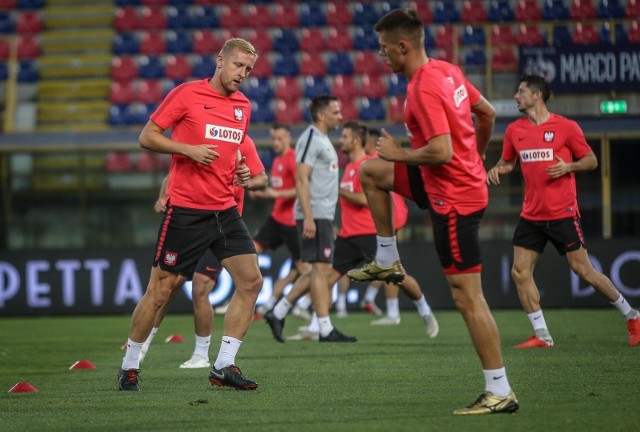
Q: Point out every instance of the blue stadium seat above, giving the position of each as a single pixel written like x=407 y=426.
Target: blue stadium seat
x=610 y=9
x=314 y=86
x=262 y=112
x=501 y=11
x=30 y=4
x=340 y=63
x=125 y=3
x=562 y=36
x=150 y=67
x=475 y=58
x=285 y=41
x=178 y=17
x=267 y=156
x=311 y=15
x=555 y=10
x=258 y=89
x=203 y=66
x=365 y=14
x=4 y=71
x=204 y=17
x=429 y=41
x=621 y=37
x=118 y=115
x=180 y=2
x=6 y=23
x=446 y=12
x=473 y=36
x=372 y=110
x=178 y=42
x=27 y=72
x=125 y=43
x=365 y=39
x=285 y=65
x=397 y=85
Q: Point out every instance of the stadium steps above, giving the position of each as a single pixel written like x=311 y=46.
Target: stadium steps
x=57 y=171
x=75 y=66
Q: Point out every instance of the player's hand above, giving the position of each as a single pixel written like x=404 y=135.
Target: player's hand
x=203 y=153
x=559 y=169
x=266 y=193
x=308 y=229
x=386 y=147
x=160 y=205
x=243 y=173
x=493 y=175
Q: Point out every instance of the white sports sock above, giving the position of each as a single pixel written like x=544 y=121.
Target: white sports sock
x=393 y=308
x=147 y=343
x=131 y=358
x=370 y=294
x=304 y=302
x=228 y=349
x=496 y=382
x=387 y=251
x=341 y=302
x=202 y=346
x=325 y=326
x=269 y=304
x=537 y=320
x=281 y=309
x=314 y=326
x=622 y=305
x=423 y=307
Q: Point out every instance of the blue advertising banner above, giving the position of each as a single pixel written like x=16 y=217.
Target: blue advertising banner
x=602 y=68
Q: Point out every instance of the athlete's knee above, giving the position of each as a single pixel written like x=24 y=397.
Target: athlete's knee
x=520 y=275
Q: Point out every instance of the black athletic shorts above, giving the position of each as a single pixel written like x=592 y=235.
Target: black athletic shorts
x=565 y=234
x=457 y=241
x=321 y=247
x=185 y=234
x=208 y=265
x=273 y=234
x=352 y=251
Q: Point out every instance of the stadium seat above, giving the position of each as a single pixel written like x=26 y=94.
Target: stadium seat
x=125 y=43
x=6 y=23
x=204 y=17
x=396 y=85
x=445 y=54
x=178 y=18
x=258 y=89
x=27 y=72
x=445 y=12
x=286 y=65
x=152 y=43
x=287 y=88
x=582 y=9
x=30 y=4
x=126 y=19
x=260 y=39
x=149 y=91
x=372 y=86
x=8 y=4
x=257 y=15
x=288 y=112
x=231 y=16
x=28 y=22
x=338 y=14
x=633 y=32
x=205 y=42
x=314 y=86
x=423 y=9
x=118 y=160
x=368 y=63
x=473 y=12
x=312 y=40
x=610 y=9
x=372 y=109
x=28 y=47
x=365 y=14
x=155 y=2
x=475 y=59
x=473 y=36
x=528 y=10
x=500 y=11
x=263 y=68
x=285 y=16
x=311 y=15
x=152 y=18
x=125 y=3
x=365 y=39
x=150 y=67
x=349 y=109
x=124 y=68
x=4 y=49
x=205 y=66
x=502 y=35
x=339 y=63
x=530 y=35
x=262 y=112
x=122 y=92
x=561 y=36
x=177 y=68
x=344 y=87
x=429 y=41
x=585 y=34
x=396 y=109
x=632 y=10
x=504 y=60
x=285 y=41
x=178 y=42
x=312 y=64
x=554 y=10
x=444 y=36
x=148 y=162
x=118 y=116
x=339 y=39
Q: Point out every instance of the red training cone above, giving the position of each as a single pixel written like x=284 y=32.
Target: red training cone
x=82 y=364
x=174 y=338
x=23 y=387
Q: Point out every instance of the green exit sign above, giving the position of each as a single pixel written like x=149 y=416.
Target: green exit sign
x=613 y=107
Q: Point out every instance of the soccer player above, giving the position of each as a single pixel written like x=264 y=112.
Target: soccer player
x=207 y=269
x=442 y=171
x=280 y=227
x=317 y=197
x=551 y=148
x=208 y=119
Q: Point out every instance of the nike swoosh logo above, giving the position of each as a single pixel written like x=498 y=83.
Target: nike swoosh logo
x=498 y=377
x=571 y=244
x=226 y=341
x=385 y=245
x=538 y=317
x=522 y=138
x=207 y=268
x=209 y=106
x=219 y=375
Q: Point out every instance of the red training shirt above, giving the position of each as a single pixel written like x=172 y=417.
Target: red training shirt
x=283 y=176
x=253 y=162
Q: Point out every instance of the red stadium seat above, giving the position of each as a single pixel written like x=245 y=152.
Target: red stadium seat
x=339 y=39
x=263 y=67
x=177 y=67
x=473 y=12
x=585 y=34
x=231 y=16
x=530 y=35
x=344 y=87
x=288 y=112
x=528 y=10
x=446 y=55
x=149 y=162
x=368 y=63
x=632 y=9
x=338 y=14
x=423 y=9
x=126 y=19
x=5 y=49
x=28 y=47
x=582 y=9
x=502 y=35
x=260 y=39
x=258 y=15
x=287 y=88
x=396 y=109
x=150 y=91
x=152 y=18
x=8 y=4
x=349 y=109
x=122 y=93
x=124 y=69
x=152 y=43
x=504 y=60
x=444 y=36
x=312 y=40
x=208 y=41
x=633 y=32
x=312 y=64
x=118 y=161
x=29 y=22
x=155 y=2
x=284 y=16
x=372 y=86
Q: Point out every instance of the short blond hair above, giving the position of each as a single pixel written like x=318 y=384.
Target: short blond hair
x=238 y=43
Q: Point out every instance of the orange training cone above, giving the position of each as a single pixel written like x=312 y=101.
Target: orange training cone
x=82 y=364
x=174 y=338
x=23 y=387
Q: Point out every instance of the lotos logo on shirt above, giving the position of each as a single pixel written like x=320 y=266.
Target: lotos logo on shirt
x=223 y=133
x=536 y=155
x=348 y=185
x=276 y=181
x=459 y=95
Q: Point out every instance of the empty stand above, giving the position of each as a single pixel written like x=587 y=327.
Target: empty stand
x=285 y=16
x=339 y=39
x=312 y=40
x=178 y=42
x=177 y=68
x=152 y=43
x=372 y=86
x=118 y=161
x=344 y=87
x=585 y=34
x=312 y=64
x=287 y=89
x=150 y=67
x=473 y=12
x=338 y=14
x=288 y=112
x=149 y=91
x=528 y=10
x=530 y=35
x=124 y=68
x=445 y=12
x=260 y=39
x=28 y=22
x=555 y=10
x=632 y=10
x=582 y=9
x=368 y=63
x=311 y=15
x=396 y=109
x=502 y=35
x=504 y=60
x=122 y=92
x=500 y=11
x=258 y=15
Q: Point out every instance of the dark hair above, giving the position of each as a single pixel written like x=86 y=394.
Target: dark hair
x=373 y=132
x=405 y=22
x=318 y=104
x=358 y=130
x=284 y=126
x=537 y=83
